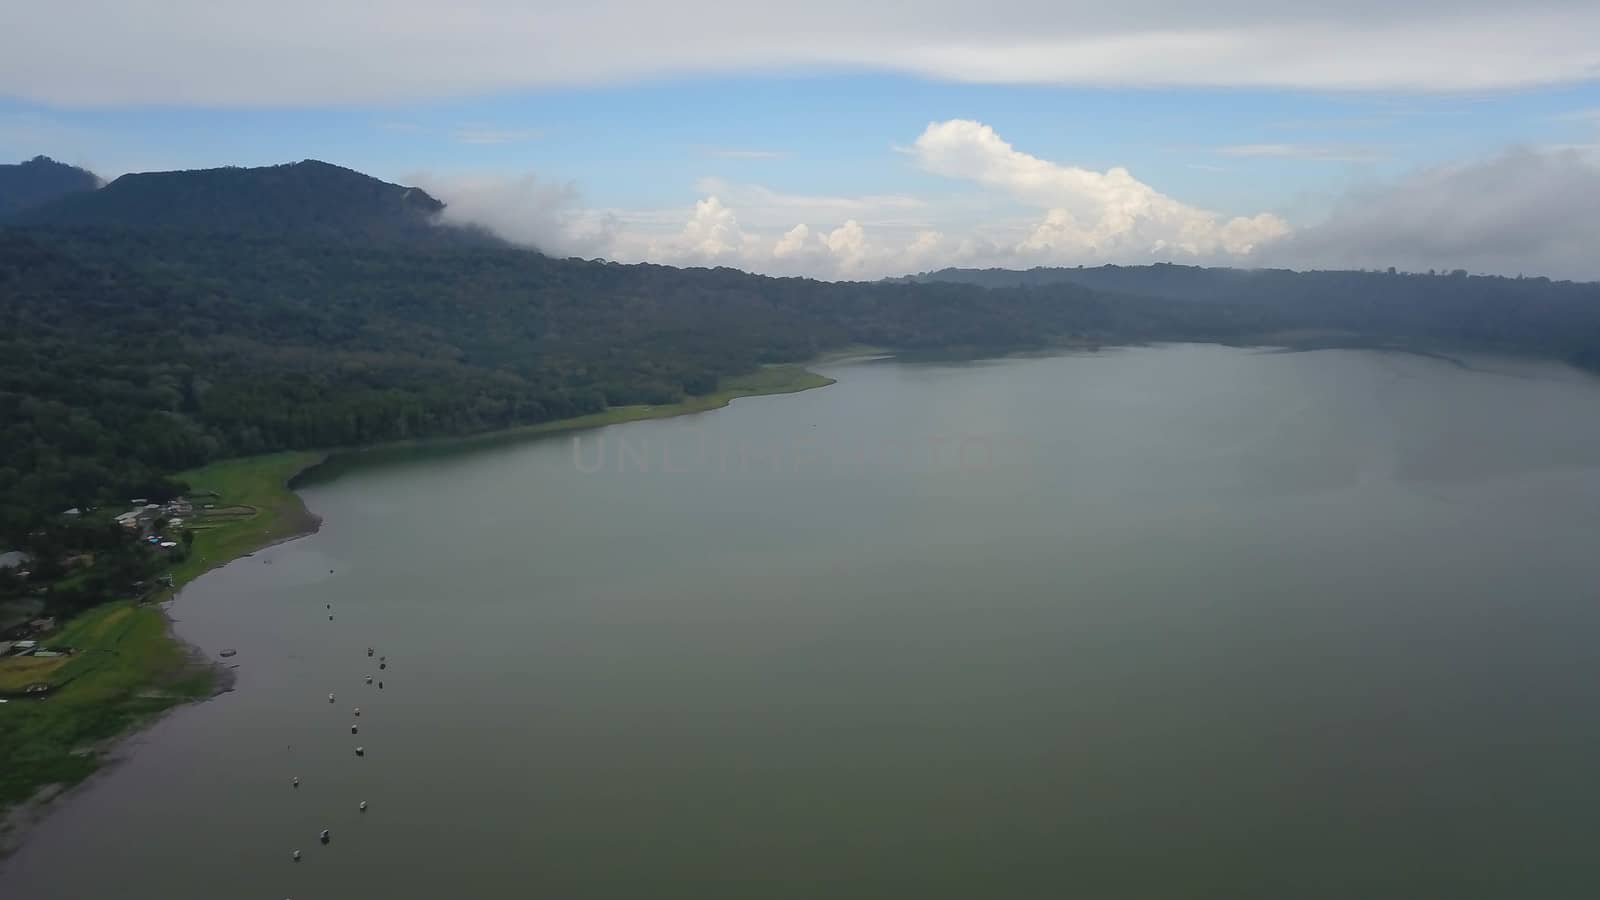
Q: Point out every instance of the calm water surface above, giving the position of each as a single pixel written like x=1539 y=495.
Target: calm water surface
x=1168 y=622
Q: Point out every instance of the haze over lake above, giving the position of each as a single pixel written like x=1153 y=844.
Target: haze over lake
x=1162 y=622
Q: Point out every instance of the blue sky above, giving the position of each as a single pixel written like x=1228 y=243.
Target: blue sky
x=647 y=144
x=623 y=163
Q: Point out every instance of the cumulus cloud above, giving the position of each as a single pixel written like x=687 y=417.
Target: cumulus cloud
x=712 y=236
x=1524 y=210
x=1095 y=215
x=1077 y=215
x=328 y=52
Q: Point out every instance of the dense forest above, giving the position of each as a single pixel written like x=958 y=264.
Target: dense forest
x=1450 y=309
x=165 y=321
x=128 y=354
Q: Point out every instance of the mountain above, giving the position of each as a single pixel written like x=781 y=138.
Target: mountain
x=171 y=319
x=306 y=198
x=129 y=353
x=1178 y=282
x=39 y=181
x=1345 y=308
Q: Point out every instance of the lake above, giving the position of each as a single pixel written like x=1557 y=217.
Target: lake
x=1166 y=622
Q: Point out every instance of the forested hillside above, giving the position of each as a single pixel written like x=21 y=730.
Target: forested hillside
x=172 y=319
x=1524 y=315
x=127 y=354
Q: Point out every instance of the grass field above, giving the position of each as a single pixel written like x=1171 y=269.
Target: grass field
x=128 y=666
x=127 y=669
x=254 y=508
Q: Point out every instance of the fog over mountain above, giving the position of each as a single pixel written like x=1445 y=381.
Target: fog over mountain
x=1524 y=210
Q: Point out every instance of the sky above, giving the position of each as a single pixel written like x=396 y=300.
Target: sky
x=857 y=140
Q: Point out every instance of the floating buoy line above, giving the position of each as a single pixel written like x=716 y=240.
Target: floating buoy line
x=325 y=837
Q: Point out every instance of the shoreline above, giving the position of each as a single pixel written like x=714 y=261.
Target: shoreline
x=769 y=381
x=267 y=485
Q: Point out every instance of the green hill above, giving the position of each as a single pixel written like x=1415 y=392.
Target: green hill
x=304 y=198
x=172 y=319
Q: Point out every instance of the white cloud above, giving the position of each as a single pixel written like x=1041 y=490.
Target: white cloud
x=1526 y=210
x=793 y=242
x=328 y=52
x=712 y=236
x=1091 y=215
x=1523 y=211
x=1312 y=152
x=1079 y=216
x=848 y=244
x=525 y=210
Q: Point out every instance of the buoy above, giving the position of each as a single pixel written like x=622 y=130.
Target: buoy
x=361 y=751
x=352 y=729
x=297 y=856
x=296 y=781
x=363 y=806
x=324 y=836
